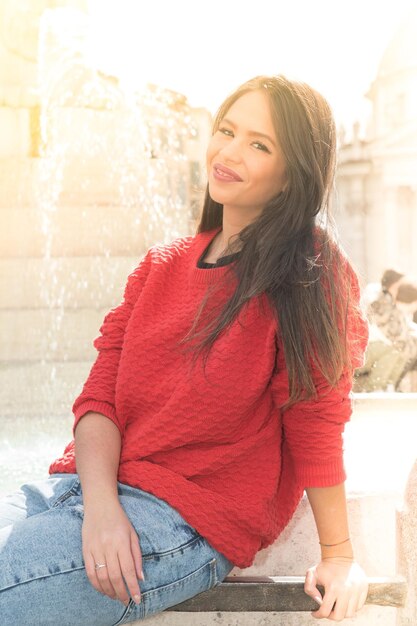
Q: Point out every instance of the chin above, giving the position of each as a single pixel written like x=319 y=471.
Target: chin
x=216 y=197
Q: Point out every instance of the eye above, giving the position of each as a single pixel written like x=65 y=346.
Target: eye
x=225 y=131
x=261 y=146
x=258 y=145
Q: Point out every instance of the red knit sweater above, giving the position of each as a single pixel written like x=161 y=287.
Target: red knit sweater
x=215 y=446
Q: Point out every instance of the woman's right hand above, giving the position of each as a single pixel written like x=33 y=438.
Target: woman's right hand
x=109 y=539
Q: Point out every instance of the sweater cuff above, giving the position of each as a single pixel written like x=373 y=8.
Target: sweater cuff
x=321 y=474
x=104 y=408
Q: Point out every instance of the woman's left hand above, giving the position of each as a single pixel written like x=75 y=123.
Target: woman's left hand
x=345 y=588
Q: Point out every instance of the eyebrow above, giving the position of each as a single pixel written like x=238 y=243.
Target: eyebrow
x=250 y=132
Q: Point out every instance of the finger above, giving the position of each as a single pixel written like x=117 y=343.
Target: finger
x=115 y=577
x=89 y=563
x=127 y=566
x=362 y=598
x=137 y=555
x=103 y=578
x=352 y=606
x=310 y=587
x=327 y=605
x=340 y=610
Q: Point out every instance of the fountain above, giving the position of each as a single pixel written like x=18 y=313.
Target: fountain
x=112 y=178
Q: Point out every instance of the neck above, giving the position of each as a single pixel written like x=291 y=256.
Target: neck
x=233 y=222
x=221 y=246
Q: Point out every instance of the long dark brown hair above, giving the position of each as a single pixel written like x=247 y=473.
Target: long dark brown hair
x=288 y=252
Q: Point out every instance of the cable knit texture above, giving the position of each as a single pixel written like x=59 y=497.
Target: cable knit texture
x=215 y=445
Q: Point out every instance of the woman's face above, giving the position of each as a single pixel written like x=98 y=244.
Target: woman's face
x=245 y=164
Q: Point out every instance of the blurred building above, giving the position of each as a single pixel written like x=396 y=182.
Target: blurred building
x=377 y=176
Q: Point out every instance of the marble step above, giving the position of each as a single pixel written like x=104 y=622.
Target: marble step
x=370 y=615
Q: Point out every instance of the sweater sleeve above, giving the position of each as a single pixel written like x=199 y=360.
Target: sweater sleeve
x=313 y=428
x=98 y=393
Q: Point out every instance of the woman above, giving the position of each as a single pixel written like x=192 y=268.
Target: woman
x=219 y=394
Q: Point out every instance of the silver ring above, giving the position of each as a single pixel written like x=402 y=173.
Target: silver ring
x=99 y=566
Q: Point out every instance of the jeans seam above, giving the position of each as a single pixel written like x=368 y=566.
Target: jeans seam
x=126 y=613
x=213 y=573
x=72 y=491
x=175 y=583
x=174 y=550
x=49 y=575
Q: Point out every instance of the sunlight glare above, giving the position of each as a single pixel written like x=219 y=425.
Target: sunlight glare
x=335 y=46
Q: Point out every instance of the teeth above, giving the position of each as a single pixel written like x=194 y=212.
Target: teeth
x=223 y=174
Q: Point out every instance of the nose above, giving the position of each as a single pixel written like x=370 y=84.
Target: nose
x=232 y=150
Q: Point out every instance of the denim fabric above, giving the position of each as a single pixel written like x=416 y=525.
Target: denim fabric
x=42 y=575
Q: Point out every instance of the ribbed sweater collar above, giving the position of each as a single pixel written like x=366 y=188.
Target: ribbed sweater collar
x=204 y=276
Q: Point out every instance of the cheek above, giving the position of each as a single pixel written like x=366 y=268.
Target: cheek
x=209 y=158
x=212 y=148
x=271 y=179
x=279 y=179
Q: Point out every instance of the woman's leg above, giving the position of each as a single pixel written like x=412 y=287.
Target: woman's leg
x=33 y=498
x=42 y=575
x=178 y=563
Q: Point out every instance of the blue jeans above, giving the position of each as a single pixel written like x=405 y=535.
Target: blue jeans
x=42 y=575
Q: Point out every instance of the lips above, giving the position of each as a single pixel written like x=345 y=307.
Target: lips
x=225 y=173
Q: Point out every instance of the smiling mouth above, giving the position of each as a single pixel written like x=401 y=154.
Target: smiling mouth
x=224 y=173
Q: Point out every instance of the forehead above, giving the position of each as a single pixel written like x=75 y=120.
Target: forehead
x=252 y=111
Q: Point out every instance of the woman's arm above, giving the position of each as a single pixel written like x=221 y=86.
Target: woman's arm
x=313 y=447
x=99 y=391
x=330 y=514
x=345 y=583
x=97 y=454
x=108 y=536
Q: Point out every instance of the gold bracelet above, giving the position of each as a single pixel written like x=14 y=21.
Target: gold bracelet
x=338 y=556
x=331 y=545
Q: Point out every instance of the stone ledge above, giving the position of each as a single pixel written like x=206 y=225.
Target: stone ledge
x=369 y=615
x=385 y=401
x=283 y=593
